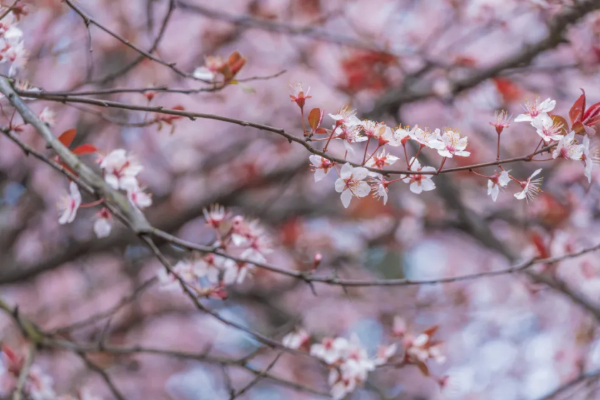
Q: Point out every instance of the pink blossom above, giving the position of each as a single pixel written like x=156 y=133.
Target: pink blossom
x=450 y=144
x=418 y=182
x=351 y=183
x=69 y=204
x=380 y=160
x=215 y=216
x=298 y=95
x=139 y=198
x=530 y=187
x=330 y=350
x=103 y=223
x=568 y=148
x=236 y=272
x=496 y=182
x=295 y=339
x=501 y=121
x=321 y=166
x=48 y=116
x=120 y=170
x=547 y=128
x=384 y=353
x=533 y=109
x=424 y=137
x=589 y=157
x=380 y=188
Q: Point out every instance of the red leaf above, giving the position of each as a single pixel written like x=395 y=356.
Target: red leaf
x=592 y=116
x=431 y=330
x=314 y=118
x=508 y=89
x=538 y=242
x=321 y=131
x=576 y=112
x=85 y=148
x=66 y=138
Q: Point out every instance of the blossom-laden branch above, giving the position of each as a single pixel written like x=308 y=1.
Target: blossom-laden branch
x=40 y=384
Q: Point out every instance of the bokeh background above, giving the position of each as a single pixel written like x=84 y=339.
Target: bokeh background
x=406 y=61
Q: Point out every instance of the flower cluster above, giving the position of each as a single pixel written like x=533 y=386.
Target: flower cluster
x=37 y=386
x=348 y=362
x=208 y=275
x=555 y=132
x=12 y=48
x=358 y=179
x=120 y=171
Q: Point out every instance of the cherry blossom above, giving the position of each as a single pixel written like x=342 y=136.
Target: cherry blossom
x=384 y=135
x=418 y=182
x=345 y=117
x=215 y=216
x=496 y=182
x=103 y=223
x=533 y=110
x=139 y=198
x=422 y=348
x=530 y=187
x=380 y=160
x=568 y=148
x=183 y=269
x=589 y=157
x=384 y=353
x=321 y=166
x=501 y=121
x=330 y=350
x=120 y=170
x=236 y=272
x=349 y=361
x=351 y=183
x=206 y=267
x=69 y=204
x=547 y=128
x=48 y=116
x=295 y=339
x=380 y=188
x=298 y=95
x=401 y=135
x=450 y=144
x=424 y=137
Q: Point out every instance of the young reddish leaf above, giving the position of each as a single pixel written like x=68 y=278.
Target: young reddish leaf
x=66 y=138
x=431 y=330
x=236 y=62
x=85 y=148
x=509 y=90
x=321 y=131
x=558 y=120
x=314 y=118
x=576 y=112
x=539 y=244
x=592 y=116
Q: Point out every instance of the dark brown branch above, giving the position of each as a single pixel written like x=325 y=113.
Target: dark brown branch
x=282 y=132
